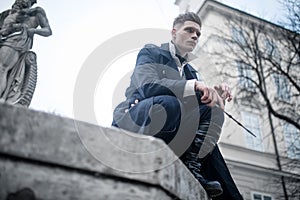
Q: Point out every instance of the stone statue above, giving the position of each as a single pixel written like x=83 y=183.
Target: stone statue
x=18 y=68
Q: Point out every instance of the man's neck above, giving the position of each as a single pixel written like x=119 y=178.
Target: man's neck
x=181 y=54
x=178 y=52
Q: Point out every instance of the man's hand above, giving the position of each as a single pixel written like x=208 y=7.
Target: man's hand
x=224 y=92
x=210 y=96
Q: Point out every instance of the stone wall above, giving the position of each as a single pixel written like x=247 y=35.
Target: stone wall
x=59 y=158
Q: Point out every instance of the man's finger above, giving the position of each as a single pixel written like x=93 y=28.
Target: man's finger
x=205 y=94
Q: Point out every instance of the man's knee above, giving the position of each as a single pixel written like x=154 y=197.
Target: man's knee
x=217 y=116
x=166 y=111
x=205 y=112
x=170 y=103
x=169 y=106
x=212 y=114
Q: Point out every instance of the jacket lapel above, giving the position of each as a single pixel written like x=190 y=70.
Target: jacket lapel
x=168 y=61
x=170 y=69
x=167 y=58
x=194 y=73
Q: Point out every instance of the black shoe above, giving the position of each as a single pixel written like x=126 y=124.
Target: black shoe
x=213 y=188
x=192 y=162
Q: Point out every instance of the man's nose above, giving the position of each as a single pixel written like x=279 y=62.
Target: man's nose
x=194 y=36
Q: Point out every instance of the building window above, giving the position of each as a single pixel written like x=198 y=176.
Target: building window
x=272 y=50
x=238 y=37
x=282 y=87
x=246 y=75
x=292 y=141
x=252 y=122
x=260 y=196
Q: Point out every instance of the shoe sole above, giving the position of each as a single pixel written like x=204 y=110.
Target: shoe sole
x=214 y=192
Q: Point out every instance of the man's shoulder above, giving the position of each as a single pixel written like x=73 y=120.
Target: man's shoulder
x=151 y=45
x=163 y=46
x=154 y=52
x=153 y=48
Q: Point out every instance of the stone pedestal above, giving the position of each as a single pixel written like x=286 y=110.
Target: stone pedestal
x=60 y=158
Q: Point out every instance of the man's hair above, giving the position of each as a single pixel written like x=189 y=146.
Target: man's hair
x=189 y=16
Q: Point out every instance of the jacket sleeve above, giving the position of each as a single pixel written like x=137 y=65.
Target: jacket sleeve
x=150 y=76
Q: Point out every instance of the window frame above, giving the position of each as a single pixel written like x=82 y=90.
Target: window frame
x=245 y=72
x=253 y=143
x=292 y=142
x=262 y=195
x=283 y=89
x=272 y=50
x=238 y=36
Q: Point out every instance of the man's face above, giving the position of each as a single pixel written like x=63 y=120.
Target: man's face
x=185 y=36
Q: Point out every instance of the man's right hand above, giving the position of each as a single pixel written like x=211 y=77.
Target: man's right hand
x=209 y=95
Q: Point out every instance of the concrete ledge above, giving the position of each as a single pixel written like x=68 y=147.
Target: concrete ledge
x=60 y=158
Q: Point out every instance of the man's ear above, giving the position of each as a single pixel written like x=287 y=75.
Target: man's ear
x=173 y=32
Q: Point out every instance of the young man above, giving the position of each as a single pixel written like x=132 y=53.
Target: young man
x=166 y=99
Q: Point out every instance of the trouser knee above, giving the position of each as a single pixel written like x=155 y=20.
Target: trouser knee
x=209 y=130
x=212 y=114
x=166 y=112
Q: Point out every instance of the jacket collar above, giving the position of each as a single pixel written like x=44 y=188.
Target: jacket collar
x=167 y=53
x=169 y=48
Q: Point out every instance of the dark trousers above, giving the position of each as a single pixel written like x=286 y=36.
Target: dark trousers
x=177 y=122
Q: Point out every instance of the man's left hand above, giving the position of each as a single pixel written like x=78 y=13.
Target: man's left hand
x=224 y=92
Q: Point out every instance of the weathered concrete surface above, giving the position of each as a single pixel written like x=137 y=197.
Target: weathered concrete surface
x=61 y=158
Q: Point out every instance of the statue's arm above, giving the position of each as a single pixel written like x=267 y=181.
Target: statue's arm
x=44 y=23
x=40 y=14
x=3 y=15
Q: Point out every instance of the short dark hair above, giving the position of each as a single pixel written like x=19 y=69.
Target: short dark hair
x=189 y=16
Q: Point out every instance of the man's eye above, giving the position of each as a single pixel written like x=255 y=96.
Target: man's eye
x=189 y=30
x=192 y=30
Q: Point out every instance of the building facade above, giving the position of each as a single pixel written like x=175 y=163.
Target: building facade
x=253 y=57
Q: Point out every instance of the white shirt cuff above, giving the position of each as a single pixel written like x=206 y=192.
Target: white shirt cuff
x=189 y=88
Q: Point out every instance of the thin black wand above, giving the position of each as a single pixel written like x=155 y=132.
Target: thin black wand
x=231 y=117
x=236 y=121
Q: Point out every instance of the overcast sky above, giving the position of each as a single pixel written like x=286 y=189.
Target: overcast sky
x=81 y=26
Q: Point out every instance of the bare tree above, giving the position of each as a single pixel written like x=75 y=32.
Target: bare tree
x=263 y=55
x=264 y=58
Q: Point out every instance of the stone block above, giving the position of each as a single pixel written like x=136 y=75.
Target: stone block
x=62 y=158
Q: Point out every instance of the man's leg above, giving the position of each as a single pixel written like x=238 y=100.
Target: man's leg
x=209 y=129
x=157 y=116
x=164 y=117
x=207 y=135
x=214 y=166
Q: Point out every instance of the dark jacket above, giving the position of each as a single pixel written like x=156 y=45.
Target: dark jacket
x=155 y=74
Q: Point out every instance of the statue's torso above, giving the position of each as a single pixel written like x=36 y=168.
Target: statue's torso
x=15 y=21
x=16 y=26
